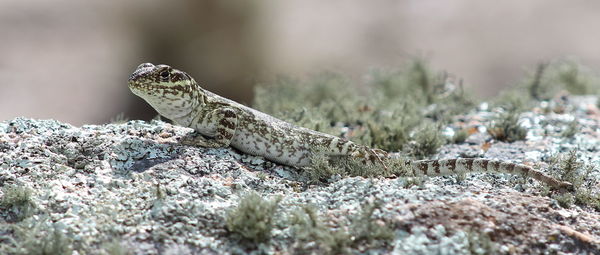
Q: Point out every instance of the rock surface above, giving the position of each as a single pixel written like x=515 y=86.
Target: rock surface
x=131 y=189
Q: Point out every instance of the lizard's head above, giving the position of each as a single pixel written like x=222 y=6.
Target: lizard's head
x=171 y=92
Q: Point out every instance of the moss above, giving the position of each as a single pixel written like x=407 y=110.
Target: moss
x=262 y=176
x=398 y=166
x=460 y=136
x=440 y=97
x=324 y=167
x=568 y=167
x=565 y=200
x=252 y=219
x=365 y=229
x=17 y=201
x=481 y=243
x=311 y=234
x=546 y=81
x=535 y=85
x=427 y=141
x=571 y=129
x=381 y=113
x=315 y=103
x=321 y=168
x=39 y=238
x=514 y=100
x=574 y=78
x=357 y=167
x=506 y=128
x=55 y=243
x=390 y=133
x=115 y=248
x=414 y=181
x=410 y=84
x=587 y=197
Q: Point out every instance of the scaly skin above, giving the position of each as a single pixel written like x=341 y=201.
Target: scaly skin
x=177 y=96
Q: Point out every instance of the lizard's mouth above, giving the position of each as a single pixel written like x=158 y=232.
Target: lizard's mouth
x=141 y=88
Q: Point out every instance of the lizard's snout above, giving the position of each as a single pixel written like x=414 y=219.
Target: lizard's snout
x=144 y=65
x=140 y=70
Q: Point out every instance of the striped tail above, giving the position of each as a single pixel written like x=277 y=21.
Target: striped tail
x=465 y=165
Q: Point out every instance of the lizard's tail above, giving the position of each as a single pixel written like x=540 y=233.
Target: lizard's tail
x=464 y=165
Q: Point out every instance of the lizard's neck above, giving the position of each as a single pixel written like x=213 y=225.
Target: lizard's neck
x=198 y=102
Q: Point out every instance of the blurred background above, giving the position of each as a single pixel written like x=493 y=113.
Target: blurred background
x=69 y=60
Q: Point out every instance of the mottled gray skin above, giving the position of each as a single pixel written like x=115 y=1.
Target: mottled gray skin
x=222 y=122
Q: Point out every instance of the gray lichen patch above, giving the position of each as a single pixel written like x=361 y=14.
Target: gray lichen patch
x=131 y=188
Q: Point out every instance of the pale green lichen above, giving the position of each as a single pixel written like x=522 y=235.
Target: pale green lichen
x=311 y=234
x=506 y=128
x=252 y=219
x=17 y=202
x=568 y=167
x=40 y=237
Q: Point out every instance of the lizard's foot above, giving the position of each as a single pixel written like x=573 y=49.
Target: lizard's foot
x=195 y=139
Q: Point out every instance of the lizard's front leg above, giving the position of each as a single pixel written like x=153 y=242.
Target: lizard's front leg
x=226 y=123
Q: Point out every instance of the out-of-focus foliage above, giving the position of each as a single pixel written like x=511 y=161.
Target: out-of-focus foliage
x=384 y=112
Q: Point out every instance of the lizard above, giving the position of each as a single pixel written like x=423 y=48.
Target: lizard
x=221 y=122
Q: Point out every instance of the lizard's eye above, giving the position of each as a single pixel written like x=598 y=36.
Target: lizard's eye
x=164 y=75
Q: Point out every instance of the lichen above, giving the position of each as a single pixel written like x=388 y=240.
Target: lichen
x=252 y=218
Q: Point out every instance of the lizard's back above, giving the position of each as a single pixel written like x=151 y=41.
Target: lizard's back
x=258 y=133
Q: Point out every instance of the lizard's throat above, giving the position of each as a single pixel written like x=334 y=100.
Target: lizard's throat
x=176 y=109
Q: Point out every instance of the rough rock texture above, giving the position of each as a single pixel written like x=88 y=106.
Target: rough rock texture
x=131 y=189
